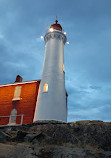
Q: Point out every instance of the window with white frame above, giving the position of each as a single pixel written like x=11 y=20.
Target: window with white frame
x=13 y=116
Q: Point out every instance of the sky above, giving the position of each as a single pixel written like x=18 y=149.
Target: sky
x=87 y=57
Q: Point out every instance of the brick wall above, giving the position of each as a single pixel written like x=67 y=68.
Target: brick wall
x=26 y=104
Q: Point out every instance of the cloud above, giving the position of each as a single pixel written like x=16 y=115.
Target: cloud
x=1 y=36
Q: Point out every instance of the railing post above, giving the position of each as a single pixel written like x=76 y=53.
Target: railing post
x=21 y=119
x=10 y=119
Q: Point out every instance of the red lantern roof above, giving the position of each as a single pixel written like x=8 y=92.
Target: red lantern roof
x=56 y=26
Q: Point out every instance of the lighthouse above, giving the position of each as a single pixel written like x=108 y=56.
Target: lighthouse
x=51 y=102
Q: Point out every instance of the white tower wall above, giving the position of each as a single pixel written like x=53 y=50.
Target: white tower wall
x=51 y=105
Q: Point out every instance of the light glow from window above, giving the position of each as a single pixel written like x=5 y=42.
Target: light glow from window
x=45 y=88
x=51 y=29
x=41 y=37
x=63 y=68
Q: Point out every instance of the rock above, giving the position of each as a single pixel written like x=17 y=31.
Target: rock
x=34 y=137
x=46 y=139
x=20 y=135
x=4 y=137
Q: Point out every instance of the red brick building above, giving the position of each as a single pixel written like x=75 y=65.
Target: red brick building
x=18 y=101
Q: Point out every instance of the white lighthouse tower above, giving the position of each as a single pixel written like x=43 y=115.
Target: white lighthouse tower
x=51 y=103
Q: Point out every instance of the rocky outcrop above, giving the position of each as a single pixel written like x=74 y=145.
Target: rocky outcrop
x=52 y=139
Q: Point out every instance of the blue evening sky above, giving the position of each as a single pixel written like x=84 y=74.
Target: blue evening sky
x=87 y=58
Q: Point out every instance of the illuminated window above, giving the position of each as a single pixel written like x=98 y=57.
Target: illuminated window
x=45 y=88
x=63 y=68
x=13 y=116
x=17 y=93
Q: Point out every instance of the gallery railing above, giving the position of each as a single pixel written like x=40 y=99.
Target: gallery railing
x=12 y=120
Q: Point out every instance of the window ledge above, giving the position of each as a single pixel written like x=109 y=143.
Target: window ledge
x=45 y=92
x=14 y=99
